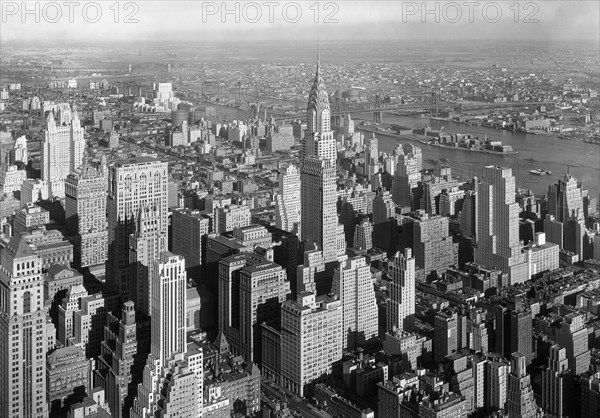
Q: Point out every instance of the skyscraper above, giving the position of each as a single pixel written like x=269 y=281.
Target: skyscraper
x=311 y=340
x=363 y=235
x=62 y=153
x=432 y=244
x=85 y=212
x=445 y=340
x=319 y=212
x=407 y=176
x=565 y=199
x=372 y=165
x=557 y=380
x=353 y=283
x=23 y=339
x=401 y=305
x=385 y=228
x=145 y=244
x=189 y=227
x=168 y=307
x=566 y=203
x=287 y=205
x=121 y=360
x=520 y=401
x=135 y=186
x=590 y=395
x=251 y=290
x=319 y=140
x=573 y=336
x=168 y=385
x=498 y=243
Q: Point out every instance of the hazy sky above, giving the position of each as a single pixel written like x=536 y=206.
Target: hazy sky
x=348 y=19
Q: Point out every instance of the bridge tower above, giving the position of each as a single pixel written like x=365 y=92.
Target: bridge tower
x=377 y=114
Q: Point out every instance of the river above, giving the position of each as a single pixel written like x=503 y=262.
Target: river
x=547 y=152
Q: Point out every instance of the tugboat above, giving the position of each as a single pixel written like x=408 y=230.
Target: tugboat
x=541 y=172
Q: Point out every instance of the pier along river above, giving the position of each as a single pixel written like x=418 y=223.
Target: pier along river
x=548 y=152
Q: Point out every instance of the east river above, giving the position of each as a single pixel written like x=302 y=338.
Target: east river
x=548 y=152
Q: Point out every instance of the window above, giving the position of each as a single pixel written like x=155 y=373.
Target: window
x=26 y=302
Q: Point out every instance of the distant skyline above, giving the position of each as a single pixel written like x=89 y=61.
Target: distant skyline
x=356 y=20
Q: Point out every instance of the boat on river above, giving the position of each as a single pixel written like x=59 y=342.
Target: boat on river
x=540 y=172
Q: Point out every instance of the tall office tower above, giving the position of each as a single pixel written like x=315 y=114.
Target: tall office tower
x=401 y=305
x=520 y=401
x=445 y=334
x=352 y=203
x=573 y=336
x=348 y=126
x=467 y=217
x=574 y=232
x=23 y=341
x=189 y=227
x=372 y=165
x=319 y=140
x=353 y=283
x=433 y=186
x=169 y=387
x=498 y=243
x=566 y=202
x=557 y=382
x=372 y=150
x=319 y=210
x=497 y=370
x=554 y=230
x=62 y=153
x=363 y=235
x=120 y=360
x=565 y=199
x=521 y=333
x=64 y=113
x=70 y=304
x=85 y=213
x=168 y=307
x=251 y=291
x=134 y=186
x=432 y=244
x=287 y=206
x=311 y=340
x=385 y=227
x=145 y=244
x=590 y=395
x=81 y=318
x=311 y=275
x=407 y=176
x=478 y=338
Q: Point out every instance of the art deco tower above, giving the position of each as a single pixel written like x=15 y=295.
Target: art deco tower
x=137 y=204
x=319 y=211
x=401 y=305
x=319 y=139
x=318 y=188
x=498 y=245
x=62 y=153
x=287 y=206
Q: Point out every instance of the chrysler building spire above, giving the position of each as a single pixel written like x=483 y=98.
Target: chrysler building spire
x=319 y=140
